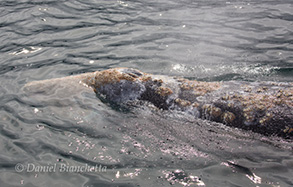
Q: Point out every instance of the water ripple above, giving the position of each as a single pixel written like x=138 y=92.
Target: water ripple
x=206 y=40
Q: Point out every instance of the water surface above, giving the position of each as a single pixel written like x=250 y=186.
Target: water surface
x=205 y=40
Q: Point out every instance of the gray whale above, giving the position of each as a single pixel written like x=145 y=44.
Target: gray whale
x=262 y=107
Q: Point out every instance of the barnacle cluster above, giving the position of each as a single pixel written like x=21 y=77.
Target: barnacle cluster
x=211 y=110
x=182 y=102
x=199 y=88
x=215 y=113
x=163 y=91
x=257 y=105
x=228 y=117
x=112 y=76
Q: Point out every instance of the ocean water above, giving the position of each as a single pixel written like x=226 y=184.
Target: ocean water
x=75 y=139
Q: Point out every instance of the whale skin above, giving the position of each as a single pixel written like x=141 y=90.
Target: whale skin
x=262 y=107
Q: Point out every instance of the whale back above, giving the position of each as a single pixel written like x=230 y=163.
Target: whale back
x=263 y=107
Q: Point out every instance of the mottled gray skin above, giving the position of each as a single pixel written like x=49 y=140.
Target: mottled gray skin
x=263 y=107
x=228 y=100
x=224 y=104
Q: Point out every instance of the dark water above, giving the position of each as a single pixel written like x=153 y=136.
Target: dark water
x=205 y=40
